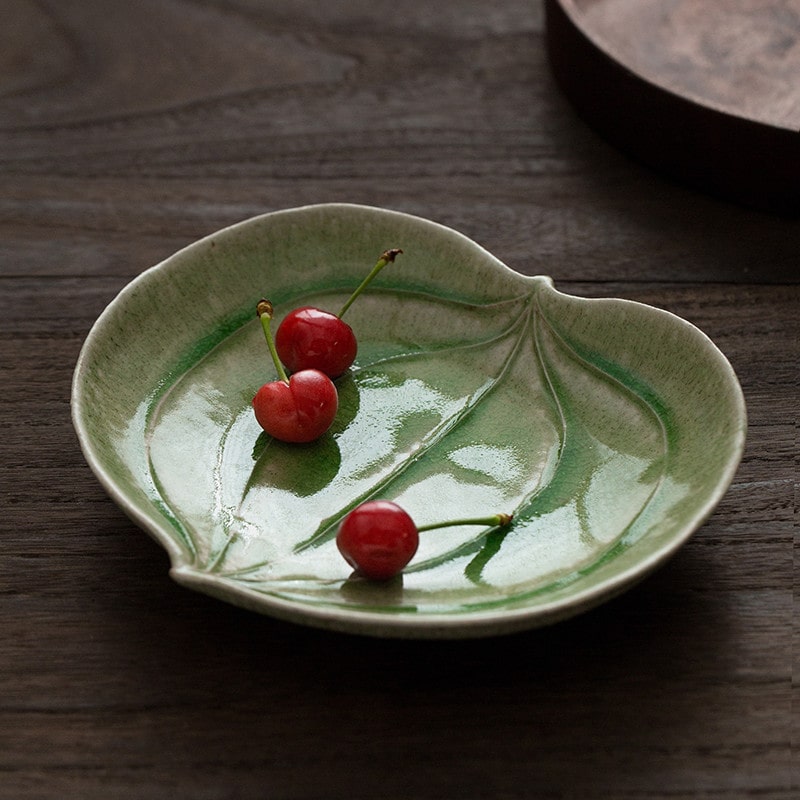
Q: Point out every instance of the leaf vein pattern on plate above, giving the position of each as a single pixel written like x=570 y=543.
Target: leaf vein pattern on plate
x=506 y=416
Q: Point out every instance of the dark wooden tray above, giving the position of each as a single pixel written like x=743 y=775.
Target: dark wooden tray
x=708 y=93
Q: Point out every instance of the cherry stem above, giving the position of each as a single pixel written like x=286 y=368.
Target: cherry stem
x=265 y=311
x=496 y=520
x=387 y=256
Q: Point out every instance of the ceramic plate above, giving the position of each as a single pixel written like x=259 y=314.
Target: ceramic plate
x=609 y=428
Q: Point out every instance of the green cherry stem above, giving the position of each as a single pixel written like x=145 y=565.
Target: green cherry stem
x=387 y=256
x=265 y=311
x=496 y=520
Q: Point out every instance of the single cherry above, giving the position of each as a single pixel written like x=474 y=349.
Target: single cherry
x=310 y=338
x=379 y=538
x=299 y=408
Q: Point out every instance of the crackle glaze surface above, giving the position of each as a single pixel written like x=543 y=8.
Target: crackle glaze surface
x=610 y=429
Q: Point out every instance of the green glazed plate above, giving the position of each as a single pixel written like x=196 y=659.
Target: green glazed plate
x=610 y=429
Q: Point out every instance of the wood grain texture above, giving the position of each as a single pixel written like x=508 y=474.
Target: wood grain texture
x=127 y=130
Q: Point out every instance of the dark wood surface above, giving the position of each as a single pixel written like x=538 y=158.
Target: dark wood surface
x=128 y=130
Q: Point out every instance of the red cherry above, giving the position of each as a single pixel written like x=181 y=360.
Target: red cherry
x=296 y=409
x=378 y=538
x=309 y=338
x=299 y=410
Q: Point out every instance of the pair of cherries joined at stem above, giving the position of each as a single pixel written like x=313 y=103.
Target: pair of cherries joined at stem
x=294 y=409
x=316 y=347
x=379 y=538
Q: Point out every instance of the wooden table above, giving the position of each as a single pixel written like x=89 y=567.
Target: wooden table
x=128 y=130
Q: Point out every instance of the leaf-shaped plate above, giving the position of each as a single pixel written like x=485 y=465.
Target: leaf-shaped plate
x=609 y=428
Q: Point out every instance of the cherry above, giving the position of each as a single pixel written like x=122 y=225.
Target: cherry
x=379 y=538
x=310 y=338
x=296 y=409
